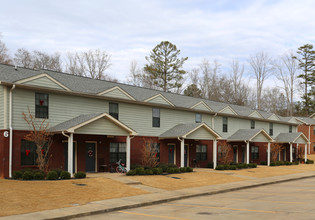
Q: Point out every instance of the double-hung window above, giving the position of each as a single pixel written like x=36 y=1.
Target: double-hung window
x=271 y=129
x=41 y=105
x=290 y=128
x=198 y=118
x=225 y=124
x=252 y=124
x=201 y=152
x=156 y=117
x=117 y=151
x=113 y=110
x=255 y=152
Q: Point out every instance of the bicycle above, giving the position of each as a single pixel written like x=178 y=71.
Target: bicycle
x=120 y=168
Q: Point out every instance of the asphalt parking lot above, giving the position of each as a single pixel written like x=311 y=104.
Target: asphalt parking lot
x=291 y=200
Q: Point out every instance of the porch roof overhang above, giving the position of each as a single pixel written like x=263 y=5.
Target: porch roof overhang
x=250 y=135
x=191 y=131
x=294 y=138
x=97 y=123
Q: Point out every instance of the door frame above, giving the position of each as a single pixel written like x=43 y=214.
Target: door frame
x=235 y=146
x=75 y=154
x=187 y=153
x=95 y=142
x=174 y=151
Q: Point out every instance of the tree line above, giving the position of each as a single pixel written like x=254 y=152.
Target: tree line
x=164 y=71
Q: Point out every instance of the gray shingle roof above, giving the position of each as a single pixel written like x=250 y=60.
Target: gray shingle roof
x=93 y=87
x=244 y=134
x=288 y=137
x=180 y=130
x=73 y=122
x=307 y=120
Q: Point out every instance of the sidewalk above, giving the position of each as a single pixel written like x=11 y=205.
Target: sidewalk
x=156 y=196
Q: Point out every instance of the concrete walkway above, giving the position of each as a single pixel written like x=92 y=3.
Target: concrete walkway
x=155 y=197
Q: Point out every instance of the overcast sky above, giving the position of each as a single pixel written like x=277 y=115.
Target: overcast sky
x=129 y=30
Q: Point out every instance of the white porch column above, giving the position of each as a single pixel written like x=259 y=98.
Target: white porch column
x=182 y=151
x=128 y=153
x=247 y=152
x=305 y=157
x=291 y=156
x=70 y=154
x=214 y=153
x=268 y=154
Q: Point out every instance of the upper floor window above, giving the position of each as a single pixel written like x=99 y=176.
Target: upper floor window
x=113 y=110
x=252 y=124
x=225 y=124
x=313 y=129
x=41 y=105
x=156 y=117
x=198 y=118
x=290 y=129
x=270 y=129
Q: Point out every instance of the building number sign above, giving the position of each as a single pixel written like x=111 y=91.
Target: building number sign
x=6 y=134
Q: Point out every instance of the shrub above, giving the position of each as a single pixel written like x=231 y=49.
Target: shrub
x=296 y=163
x=189 y=169
x=65 y=175
x=232 y=167
x=272 y=164
x=139 y=171
x=263 y=163
x=310 y=161
x=163 y=167
x=58 y=171
x=28 y=175
x=79 y=175
x=233 y=163
x=182 y=169
x=148 y=172
x=210 y=165
x=17 y=175
x=39 y=175
x=26 y=169
x=176 y=170
x=170 y=170
x=52 y=175
x=157 y=171
x=131 y=173
x=252 y=165
x=240 y=166
x=134 y=166
x=220 y=167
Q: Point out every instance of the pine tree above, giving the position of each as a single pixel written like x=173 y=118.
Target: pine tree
x=165 y=68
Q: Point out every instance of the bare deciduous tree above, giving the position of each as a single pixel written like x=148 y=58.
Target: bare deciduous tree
x=261 y=67
x=224 y=153
x=38 y=60
x=150 y=156
x=91 y=63
x=275 y=149
x=41 y=137
x=286 y=69
x=4 y=53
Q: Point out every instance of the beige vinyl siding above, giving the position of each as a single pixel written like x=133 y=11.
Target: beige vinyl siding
x=139 y=118
x=2 y=106
x=201 y=134
x=260 y=138
x=274 y=117
x=300 y=140
x=116 y=93
x=255 y=115
x=159 y=100
x=61 y=107
x=102 y=126
x=228 y=111
x=43 y=82
x=202 y=107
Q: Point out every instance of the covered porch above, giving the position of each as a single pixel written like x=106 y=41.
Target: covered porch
x=252 y=143
x=297 y=139
x=197 y=135
x=85 y=135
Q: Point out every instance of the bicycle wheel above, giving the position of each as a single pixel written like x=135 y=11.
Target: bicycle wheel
x=119 y=170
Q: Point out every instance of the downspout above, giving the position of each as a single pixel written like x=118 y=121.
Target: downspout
x=63 y=133
x=11 y=130
x=309 y=139
x=213 y=119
